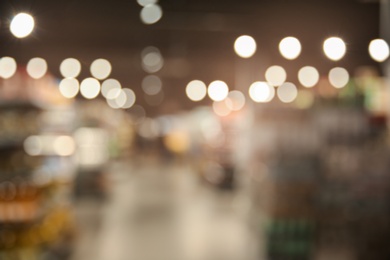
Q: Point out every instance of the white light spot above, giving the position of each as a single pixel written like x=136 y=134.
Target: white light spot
x=7 y=67
x=196 y=90
x=290 y=48
x=220 y=108
x=64 y=145
x=338 y=77
x=287 y=92
x=100 y=68
x=275 y=75
x=151 y=14
x=90 y=88
x=146 y=2
x=152 y=60
x=108 y=85
x=334 y=48
x=261 y=92
x=218 y=90
x=379 y=50
x=130 y=98
x=33 y=145
x=37 y=68
x=69 y=87
x=245 y=46
x=22 y=25
x=70 y=68
x=235 y=100
x=151 y=85
x=308 y=76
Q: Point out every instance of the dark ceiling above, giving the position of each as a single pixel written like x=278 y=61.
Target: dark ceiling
x=195 y=38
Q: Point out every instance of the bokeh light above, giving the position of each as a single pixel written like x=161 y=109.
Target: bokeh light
x=151 y=14
x=196 y=90
x=151 y=84
x=290 y=48
x=64 y=145
x=308 y=76
x=33 y=145
x=108 y=85
x=146 y=2
x=220 y=108
x=70 y=68
x=334 y=48
x=90 y=88
x=287 y=92
x=8 y=67
x=130 y=98
x=100 y=68
x=218 y=90
x=235 y=100
x=275 y=75
x=36 y=68
x=22 y=25
x=379 y=50
x=152 y=60
x=261 y=92
x=245 y=46
x=338 y=77
x=69 y=87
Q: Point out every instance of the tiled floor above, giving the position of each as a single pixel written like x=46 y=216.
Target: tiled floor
x=161 y=211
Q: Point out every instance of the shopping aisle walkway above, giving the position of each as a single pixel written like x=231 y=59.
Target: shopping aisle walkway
x=161 y=212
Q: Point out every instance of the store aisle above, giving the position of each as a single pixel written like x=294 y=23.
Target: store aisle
x=158 y=211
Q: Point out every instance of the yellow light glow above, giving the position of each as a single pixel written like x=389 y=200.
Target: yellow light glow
x=151 y=14
x=334 y=48
x=196 y=90
x=69 y=87
x=275 y=75
x=36 y=68
x=100 y=68
x=287 y=92
x=151 y=84
x=218 y=90
x=290 y=48
x=305 y=99
x=70 y=68
x=108 y=85
x=64 y=145
x=22 y=25
x=338 y=77
x=379 y=50
x=308 y=76
x=90 y=88
x=235 y=100
x=8 y=67
x=245 y=46
x=220 y=108
x=261 y=92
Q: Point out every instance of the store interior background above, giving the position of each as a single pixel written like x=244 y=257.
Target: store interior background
x=151 y=158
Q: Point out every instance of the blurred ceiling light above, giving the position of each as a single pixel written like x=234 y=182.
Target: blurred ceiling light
x=69 y=87
x=70 y=68
x=196 y=90
x=261 y=92
x=36 y=68
x=338 y=77
x=33 y=145
x=308 y=76
x=334 y=48
x=152 y=60
x=290 y=48
x=108 y=85
x=245 y=46
x=100 y=68
x=64 y=145
x=379 y=50
x=235 y=100
x=287 y=92
x=7 y=67
x=218 y=90
x=130 y=98
x=151 y=13
x=22 y=25
x=220 y=108
x=90 y=88
x=151 y=85
x=121 y=98
x=275 y=75
x=146 y=2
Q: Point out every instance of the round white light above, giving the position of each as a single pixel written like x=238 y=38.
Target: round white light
x=130 y=98
x=290 y=48
x=220 y=108
x=151 y=14
x=152 y=60
x=308 y=76
x=69 y=87
x=235 y=100
x=338 y=77
x=121 y=98
x=287 y=92
x=64 y=145
x=22 y=25
x=275 y=75
x=151 y=85
x=90 y=88
x=196 y=90
x=218 y=90
x=70 y=68
x=245 y=46
x=33 y=145
x=261 y=92
x=379 y=50
x=36 y=68
x=334 y=48
x=7 y=67
x=108 y=85
x=100 y=68
x=146 y=2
